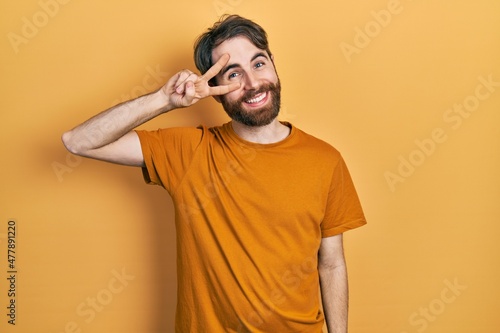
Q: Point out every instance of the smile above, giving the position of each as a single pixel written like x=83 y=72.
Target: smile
x=257 y=98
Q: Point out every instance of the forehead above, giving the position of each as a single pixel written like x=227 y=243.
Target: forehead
x=240 y=50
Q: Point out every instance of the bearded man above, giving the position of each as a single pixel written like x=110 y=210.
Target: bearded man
x=260 y=206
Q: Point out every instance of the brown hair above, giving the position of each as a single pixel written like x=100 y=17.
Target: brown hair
x=229 y=26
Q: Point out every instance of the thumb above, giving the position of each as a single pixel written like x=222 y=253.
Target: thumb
x=189 y=93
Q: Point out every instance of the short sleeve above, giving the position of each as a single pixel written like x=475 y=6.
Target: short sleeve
x=343 y=211
x=168 y=153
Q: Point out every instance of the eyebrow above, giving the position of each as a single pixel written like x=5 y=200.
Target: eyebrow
x=256 y=55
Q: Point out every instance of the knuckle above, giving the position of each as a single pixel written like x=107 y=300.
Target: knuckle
x=184 y=73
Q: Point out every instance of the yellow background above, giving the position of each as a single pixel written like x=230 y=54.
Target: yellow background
x=428 y=261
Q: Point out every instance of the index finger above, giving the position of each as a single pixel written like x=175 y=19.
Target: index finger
x=216 y=68
x=222 y=90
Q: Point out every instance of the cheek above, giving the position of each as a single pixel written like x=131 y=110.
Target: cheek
x=273 y=77
x=233 y=96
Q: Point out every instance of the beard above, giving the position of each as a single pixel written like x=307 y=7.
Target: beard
x=258 y=117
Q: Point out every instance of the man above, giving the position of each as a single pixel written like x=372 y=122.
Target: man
x=260 y=205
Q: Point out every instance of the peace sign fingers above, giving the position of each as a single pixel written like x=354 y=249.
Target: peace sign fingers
x=216 y=68
x=213 y=71
x=187 y=88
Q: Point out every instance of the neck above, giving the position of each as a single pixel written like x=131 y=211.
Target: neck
x=272 y=133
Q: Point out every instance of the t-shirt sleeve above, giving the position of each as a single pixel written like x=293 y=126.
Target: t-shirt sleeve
x=343 y=211
x=168 y=153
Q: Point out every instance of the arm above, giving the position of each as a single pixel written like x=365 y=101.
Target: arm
x=108 y=136
x=333 y=281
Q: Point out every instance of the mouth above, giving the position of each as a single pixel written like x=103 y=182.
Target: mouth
x=257 y=100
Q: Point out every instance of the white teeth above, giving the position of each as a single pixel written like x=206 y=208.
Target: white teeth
x=257 y=99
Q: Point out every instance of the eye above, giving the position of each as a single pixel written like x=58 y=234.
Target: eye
x=259 y=64
x=233 y=75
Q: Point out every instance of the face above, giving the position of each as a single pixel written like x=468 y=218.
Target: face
x=257 y=101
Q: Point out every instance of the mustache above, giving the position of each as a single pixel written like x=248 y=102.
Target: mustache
x=252 y=93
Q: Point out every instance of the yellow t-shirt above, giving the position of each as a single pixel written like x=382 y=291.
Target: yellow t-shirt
x=249 y=221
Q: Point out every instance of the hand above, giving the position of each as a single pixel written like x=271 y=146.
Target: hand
x=186 y=88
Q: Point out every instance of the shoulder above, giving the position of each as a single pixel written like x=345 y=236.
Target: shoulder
x=174 y=137
x=180 y=132
x=315 y=144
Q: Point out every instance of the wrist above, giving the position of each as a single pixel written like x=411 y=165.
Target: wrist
x=161 y=103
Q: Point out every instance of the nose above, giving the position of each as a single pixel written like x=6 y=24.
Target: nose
x=250 y=81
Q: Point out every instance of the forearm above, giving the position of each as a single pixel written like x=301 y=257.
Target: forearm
x=335 y=296
x=110 y=125
x=105 y=137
